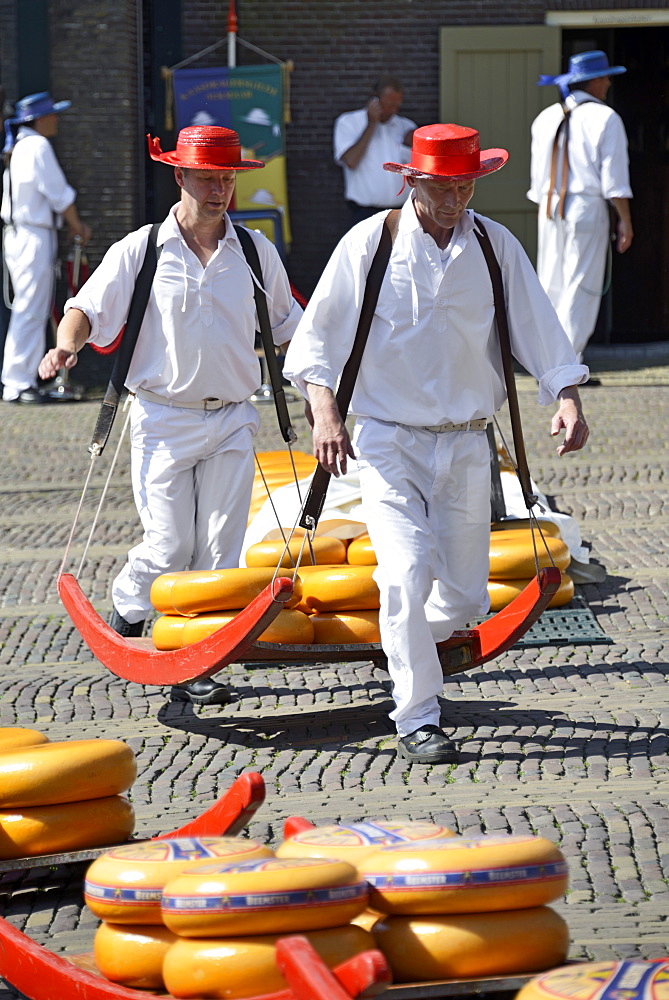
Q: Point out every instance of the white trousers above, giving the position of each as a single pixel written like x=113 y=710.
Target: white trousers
x=30 y=253
x=426 y=501
x=192 y=476
x=571 y=261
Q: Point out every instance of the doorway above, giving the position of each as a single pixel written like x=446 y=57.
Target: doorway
x=636 y=307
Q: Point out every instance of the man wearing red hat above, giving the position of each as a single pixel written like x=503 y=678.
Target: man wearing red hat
x=192 y=371
x=430 y=379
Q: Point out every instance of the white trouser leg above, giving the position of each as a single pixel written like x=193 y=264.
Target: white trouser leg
x=192 y=473
x=426 y=500
x=29 y=256
x=571 y=263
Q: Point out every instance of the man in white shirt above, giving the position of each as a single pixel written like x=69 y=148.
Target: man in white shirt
x=579 y=167
x=430 y=378
x=192 y=371
x=363 y=141
x=36 y=198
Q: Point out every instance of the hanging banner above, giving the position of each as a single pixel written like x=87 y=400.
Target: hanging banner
x=248 y=99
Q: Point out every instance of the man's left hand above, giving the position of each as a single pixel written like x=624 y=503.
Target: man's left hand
x=569 y=418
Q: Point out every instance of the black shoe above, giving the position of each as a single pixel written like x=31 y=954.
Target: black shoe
x=203 y=692
x=126 y=629
x=592 y=383
x=427 y=745
x=28 y=396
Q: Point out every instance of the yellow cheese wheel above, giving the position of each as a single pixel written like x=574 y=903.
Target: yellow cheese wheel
x=355 y=841
x=512 y=558
x=337 y=527
x=125 y=884
x=367 y=919
x=465 y=875
x=360 y=552
x=523 y=524
x=458 y=946
x=132 y=956
x=16 y=736
x=246 y=966
x=67 y=826
x=601 y=981
x=177 y=632
x=263 y=897
x=281 y=457
x=502 y=592
x=201 y=591
x=325 y=550
x=341 y=627
x=343 y=588
x=65 y=772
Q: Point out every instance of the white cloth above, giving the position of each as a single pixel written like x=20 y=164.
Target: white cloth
x=192 y=470
x=368 y=183
x=431 y=357
x=198 y=334
x=571 y=258
x=39 y=193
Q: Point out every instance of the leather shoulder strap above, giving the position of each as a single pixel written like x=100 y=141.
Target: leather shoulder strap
x=502 y=322
x=123 y=357
x=253 y=260
x=313 y=505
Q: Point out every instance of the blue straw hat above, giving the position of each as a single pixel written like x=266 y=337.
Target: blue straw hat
x=582 y=67
x=28 y=109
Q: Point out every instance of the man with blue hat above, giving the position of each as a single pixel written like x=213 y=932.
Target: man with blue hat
x=36 y=199
x=579 y=167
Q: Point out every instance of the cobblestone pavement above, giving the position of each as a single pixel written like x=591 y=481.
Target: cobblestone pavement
x=567 y=742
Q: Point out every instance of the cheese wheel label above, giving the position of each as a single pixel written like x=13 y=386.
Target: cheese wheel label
x=470 y=879
x=257 y=901
x=369 y=833
x=607 y=981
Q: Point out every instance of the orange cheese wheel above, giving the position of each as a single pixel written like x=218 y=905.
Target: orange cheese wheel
x=360 y=552
x=132 y=956
x=601 y=981
x=16 y=736
x=271 y=896
x=65 y=772
x=355 y=841
x=246 y=966
x=337 y=527
x=465 y=875
x=458 y=946
x=67 y=826
x=125 y=884
x=281 y=457
x=512 y=558
x=343 y=588
x=201 y=591
x=502 y=592
x=325 y=550
x=177 y=632
x=523 y=524
x=341 y=627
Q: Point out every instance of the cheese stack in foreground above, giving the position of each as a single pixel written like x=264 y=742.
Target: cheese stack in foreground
x=466 y=907
x=601 y=980
x=62 y=796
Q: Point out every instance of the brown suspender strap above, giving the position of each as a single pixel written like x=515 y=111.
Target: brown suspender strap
x=313 y=505
x=502 y=322
x=563 y=128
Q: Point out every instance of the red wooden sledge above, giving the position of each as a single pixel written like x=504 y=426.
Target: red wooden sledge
x=138 y=660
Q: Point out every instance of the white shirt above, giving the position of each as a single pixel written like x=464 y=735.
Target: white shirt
x=432 y=355
x=39 y=190
x=198 y=334
x=598 y=160
x=368 y=183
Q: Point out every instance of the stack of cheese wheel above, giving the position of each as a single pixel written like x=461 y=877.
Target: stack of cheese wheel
x=62 y=796
x=277 y=470
x=196 y=604
x=467 y=907
x=229 y=916
x=603 y=980
x=513 y=563
x=124 y=886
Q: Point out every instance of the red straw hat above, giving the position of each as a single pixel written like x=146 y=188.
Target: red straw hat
x=205 y=147
x=449 y=151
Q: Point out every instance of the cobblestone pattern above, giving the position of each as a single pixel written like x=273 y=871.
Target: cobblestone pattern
x=568 y=742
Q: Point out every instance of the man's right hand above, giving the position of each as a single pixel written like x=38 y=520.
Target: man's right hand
x=374 y=110
x=332 y=445
x=54 y=360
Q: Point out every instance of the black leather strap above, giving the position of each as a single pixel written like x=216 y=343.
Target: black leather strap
x=123 y=356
